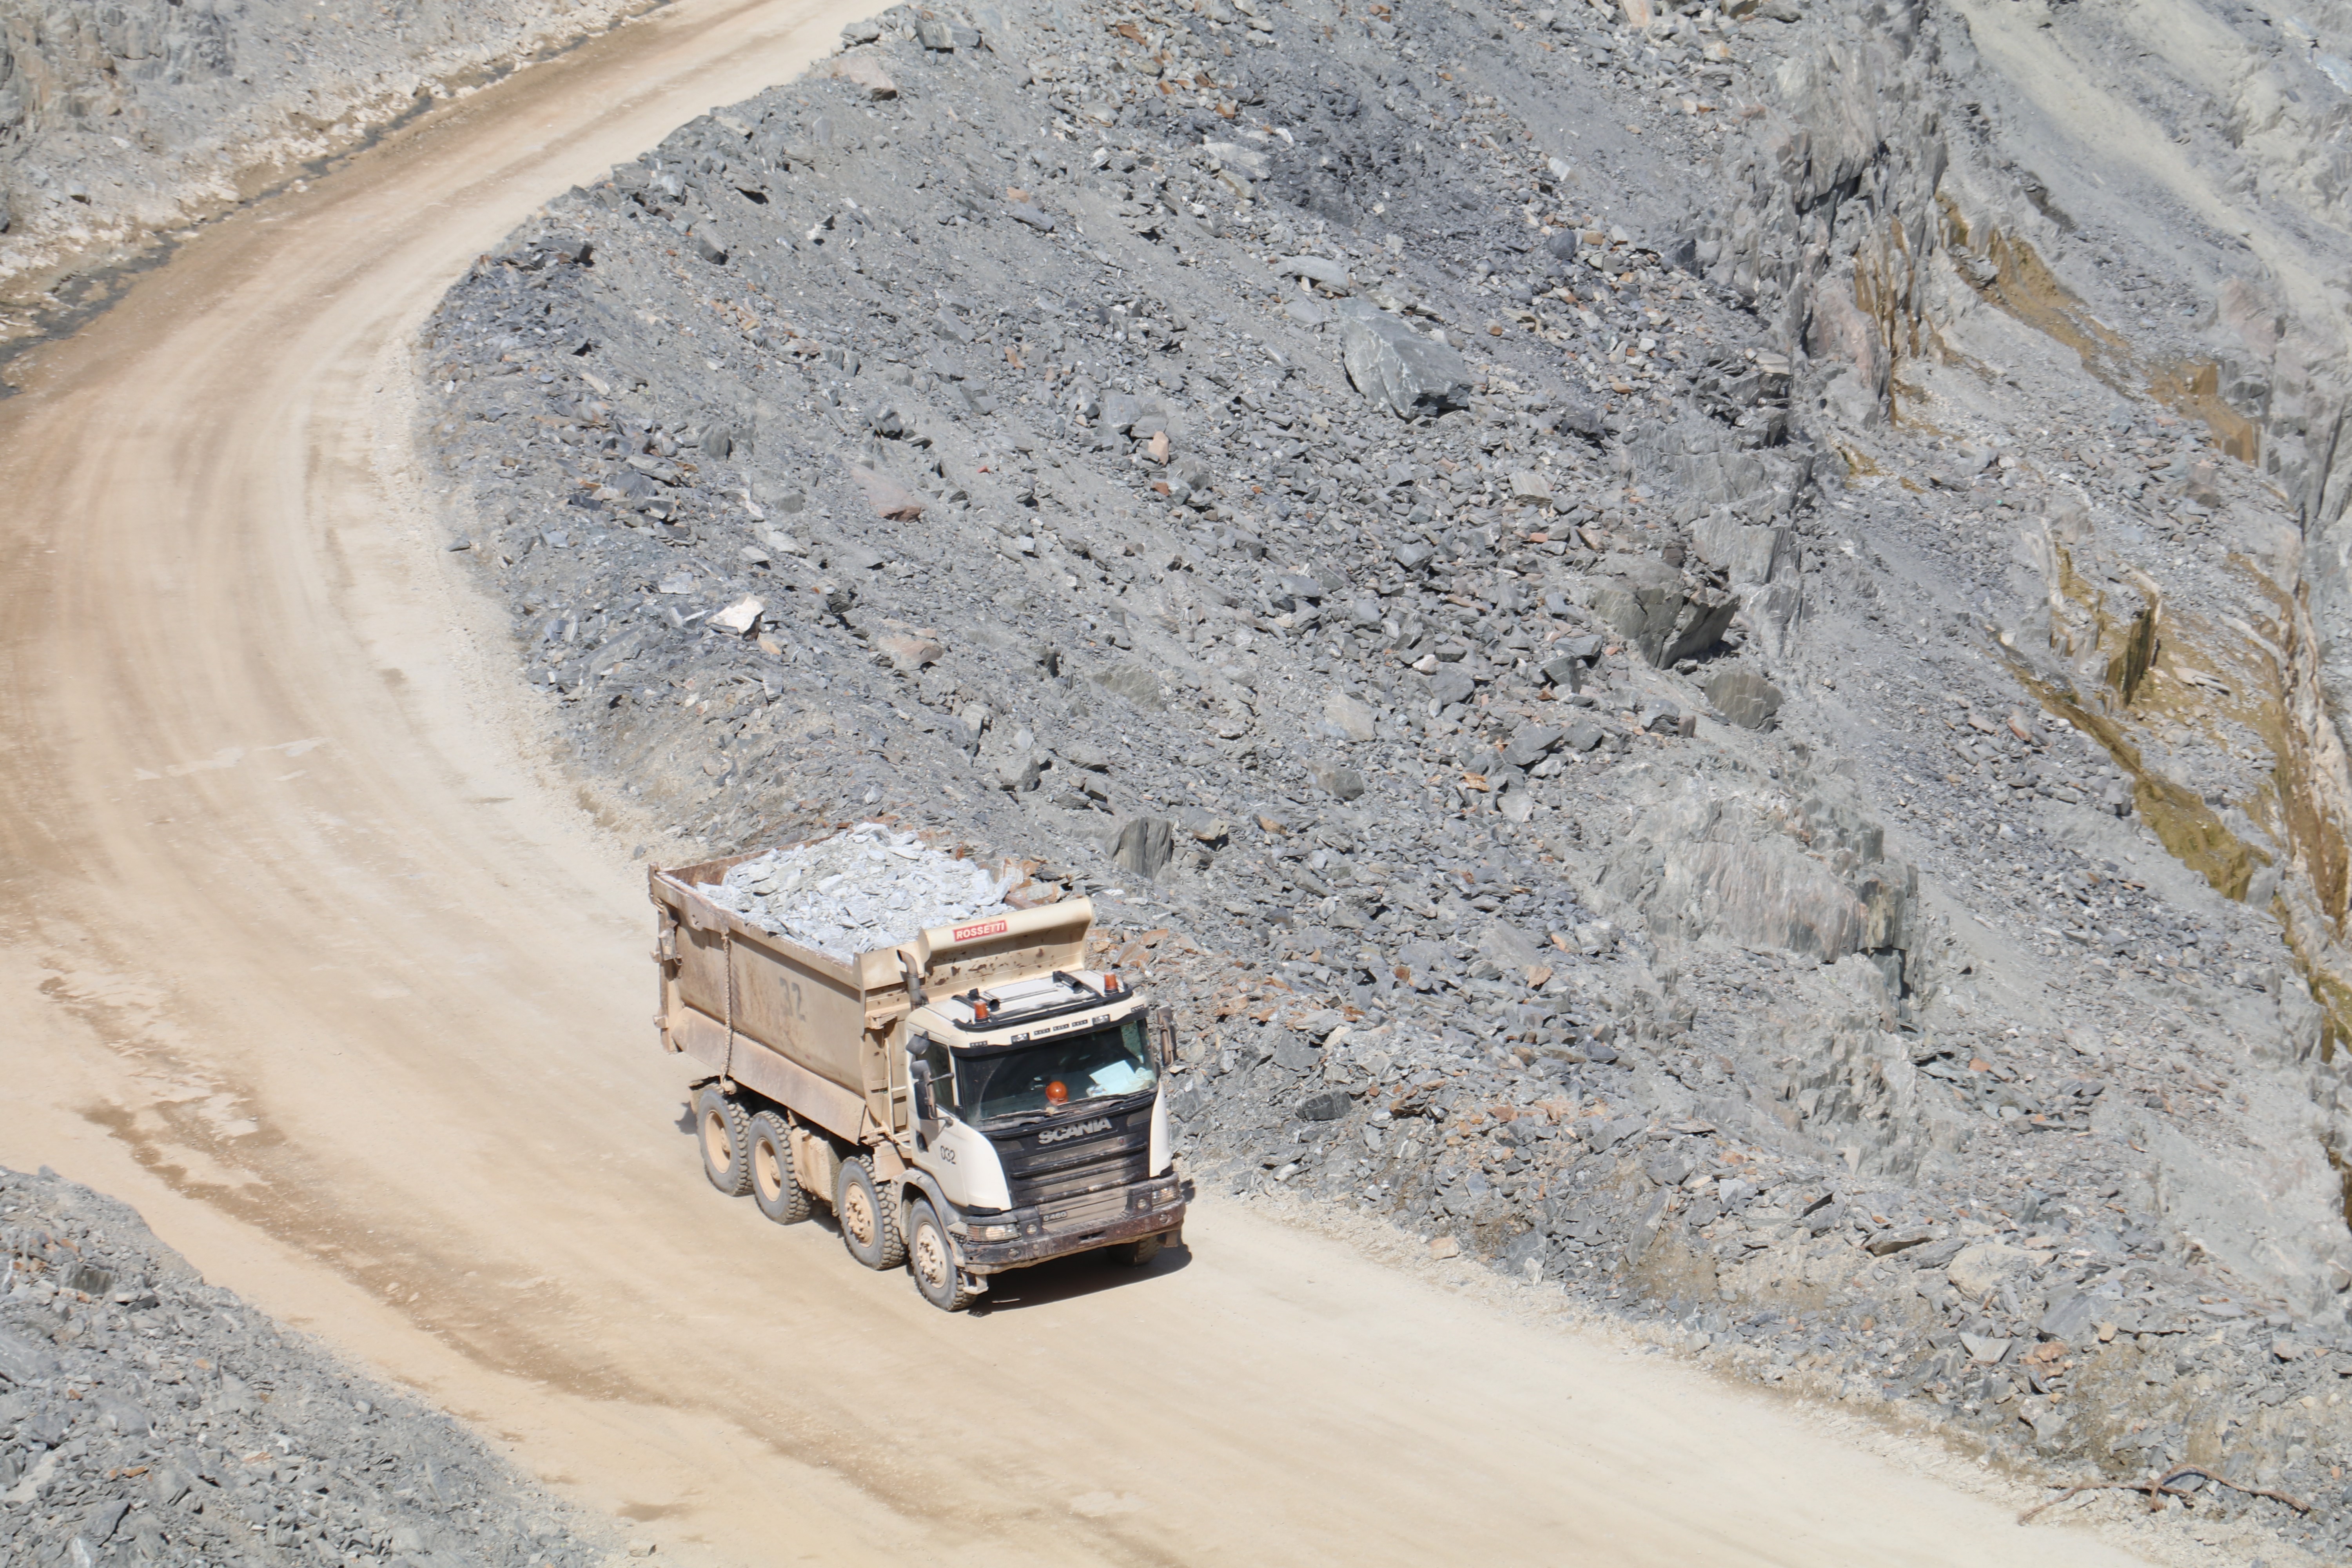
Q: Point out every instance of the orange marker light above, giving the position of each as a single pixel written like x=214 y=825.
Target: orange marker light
x=979 y=1012
x=1110 y=981
x=1058 y=1093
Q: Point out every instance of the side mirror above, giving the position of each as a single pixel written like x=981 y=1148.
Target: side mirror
x=927 y=1101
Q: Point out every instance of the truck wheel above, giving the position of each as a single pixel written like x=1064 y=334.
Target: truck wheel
x=724 y=1131
x=780 y=1196
x=869 y=1222
x=1136 y=1254
x=930 y=1258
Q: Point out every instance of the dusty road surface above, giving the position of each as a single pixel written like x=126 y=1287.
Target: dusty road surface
x=309 y=955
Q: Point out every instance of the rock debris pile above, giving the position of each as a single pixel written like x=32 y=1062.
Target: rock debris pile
x=870 y=887
x=1590 y=602
x=146 y=1417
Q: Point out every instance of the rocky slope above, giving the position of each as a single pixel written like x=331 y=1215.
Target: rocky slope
x=146 y=1417
x=126 y=122
x=1700 y=683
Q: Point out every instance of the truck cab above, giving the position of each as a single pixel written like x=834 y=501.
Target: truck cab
x=1040 y=1117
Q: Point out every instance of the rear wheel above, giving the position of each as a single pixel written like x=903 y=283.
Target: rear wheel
x=773 y=1188
x=723 y=1129
x=869 y=1221
x=930 y=1258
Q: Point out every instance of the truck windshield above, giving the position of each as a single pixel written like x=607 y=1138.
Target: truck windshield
x=1097 y=1065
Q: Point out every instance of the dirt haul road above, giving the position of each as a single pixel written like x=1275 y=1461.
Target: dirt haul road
x=306 y=958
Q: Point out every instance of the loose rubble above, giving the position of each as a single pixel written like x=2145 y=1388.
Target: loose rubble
x=869 y=888
x=124 y=123
x=1587 y=603
x=146 y=1417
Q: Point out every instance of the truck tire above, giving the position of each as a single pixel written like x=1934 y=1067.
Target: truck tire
x=930 y=1258
x=1136 y=1254
x=869 y=1220
x=773 y=1186
x=723 y=1130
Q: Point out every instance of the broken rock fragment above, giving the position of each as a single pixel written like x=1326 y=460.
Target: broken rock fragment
x=1246 y=161
x=1390 y=363
x=911 y=651
x=889 y=498
x=865 y=888
x=741 y=617
x=1352 y=717
x=865 y=71
x=1531 y=745
x=1315 y=269
x=1345 y=783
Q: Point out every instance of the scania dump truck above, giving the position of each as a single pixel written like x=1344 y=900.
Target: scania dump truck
x=968 y=1102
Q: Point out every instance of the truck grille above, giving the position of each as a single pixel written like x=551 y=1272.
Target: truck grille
x=1071 y=1173
x=1075 y=1214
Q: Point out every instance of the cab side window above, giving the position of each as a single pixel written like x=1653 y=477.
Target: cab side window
x=942 y=1071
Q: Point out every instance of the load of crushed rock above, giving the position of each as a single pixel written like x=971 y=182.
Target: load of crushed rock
x=865 y=888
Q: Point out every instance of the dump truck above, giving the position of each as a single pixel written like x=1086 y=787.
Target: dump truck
x=969 y=1102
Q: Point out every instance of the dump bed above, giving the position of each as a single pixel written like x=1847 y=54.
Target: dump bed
x=815 y=1033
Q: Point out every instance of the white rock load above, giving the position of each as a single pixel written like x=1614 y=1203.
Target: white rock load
x=866 y=889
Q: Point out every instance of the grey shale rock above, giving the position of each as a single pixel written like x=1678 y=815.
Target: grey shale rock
x=1413 y=374
x=160 y=1419
x=1744 y=698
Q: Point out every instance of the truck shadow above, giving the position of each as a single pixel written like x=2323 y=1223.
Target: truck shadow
x=1070 y=1278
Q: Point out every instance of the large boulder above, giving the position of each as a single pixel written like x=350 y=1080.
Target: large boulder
x=1652 y=606
x=1746 y=552
x=1145 y=845
x=1744 y=698
x=1697 y=458
x=1773 y=615
x=1136 y=682
x=1976 y=1271
x=1352 y=717
x=1762 y=895
x=1808 y=875
x=1391 y=363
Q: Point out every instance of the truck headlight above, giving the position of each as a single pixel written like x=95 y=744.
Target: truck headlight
x=1152 y=1197
x=994 y=1232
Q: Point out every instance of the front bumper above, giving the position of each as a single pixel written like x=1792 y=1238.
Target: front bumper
x=996 y=1257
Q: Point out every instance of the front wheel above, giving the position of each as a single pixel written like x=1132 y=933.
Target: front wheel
x=869 y=1221
x=930 y=1258
x=1136 y=1254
